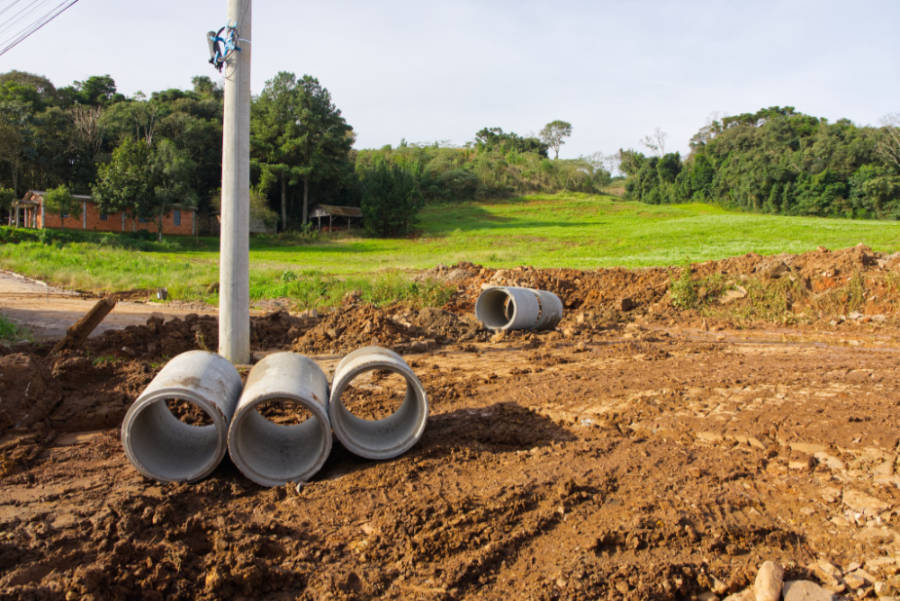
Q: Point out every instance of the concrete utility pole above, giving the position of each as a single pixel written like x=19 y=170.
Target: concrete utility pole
x=234 y=250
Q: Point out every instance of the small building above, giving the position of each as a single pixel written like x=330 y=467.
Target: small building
x=346 y=214
x=30 y=212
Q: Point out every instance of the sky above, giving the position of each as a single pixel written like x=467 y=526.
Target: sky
x=427 y=71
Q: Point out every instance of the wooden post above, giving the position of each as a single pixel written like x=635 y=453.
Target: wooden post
x=78 y=333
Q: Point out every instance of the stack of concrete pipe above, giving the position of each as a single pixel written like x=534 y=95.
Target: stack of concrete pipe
x=163 y=447
x=514 y=308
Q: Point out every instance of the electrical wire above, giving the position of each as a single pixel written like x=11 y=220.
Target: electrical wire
x=11 y=4
x=13 y=23
x=34 y=26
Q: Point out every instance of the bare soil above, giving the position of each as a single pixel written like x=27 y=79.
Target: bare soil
x=638 y=451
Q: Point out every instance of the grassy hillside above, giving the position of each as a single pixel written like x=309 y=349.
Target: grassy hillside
x=566 y=230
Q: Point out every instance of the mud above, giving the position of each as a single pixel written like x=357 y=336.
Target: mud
x=639 y=451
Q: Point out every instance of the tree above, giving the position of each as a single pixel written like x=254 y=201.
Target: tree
x=888 y=145
x=553 y=134
x=298 y=136
x=124 y=183
x=145 y=181
x=494 y=138
x=7 y=196
x=97 y=90
x=59 y=200
x=656 y=142
x=390 y=199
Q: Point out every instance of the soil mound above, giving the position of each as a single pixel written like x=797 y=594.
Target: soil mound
x=398 y=327
x=813 y=287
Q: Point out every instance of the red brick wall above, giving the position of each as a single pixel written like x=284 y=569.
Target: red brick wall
x=113 y=222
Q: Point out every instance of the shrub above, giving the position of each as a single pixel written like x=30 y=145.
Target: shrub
x=683 y=291
x=390 y=199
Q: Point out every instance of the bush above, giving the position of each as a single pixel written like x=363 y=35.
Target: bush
x=683 y=291
x=390 y=199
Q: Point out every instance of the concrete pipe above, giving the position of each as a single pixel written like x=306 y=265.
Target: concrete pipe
x=272 y=454
x=383 y=438
x=163 y=447
x=514 y=308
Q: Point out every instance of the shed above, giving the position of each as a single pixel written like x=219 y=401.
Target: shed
x=348 y=214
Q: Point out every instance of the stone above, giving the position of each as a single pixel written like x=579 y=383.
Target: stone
x=830 y=460
x=736 y=293
x=862 y=503
x=885 y=589
x=767 y=586
x=829 y=574
x=854 y=580
x=805 y=590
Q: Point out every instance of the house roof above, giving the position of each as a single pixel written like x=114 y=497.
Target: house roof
x=336 y=210
x=33 y=193
x=31 y=199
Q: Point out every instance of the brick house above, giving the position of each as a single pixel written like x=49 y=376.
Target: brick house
x=30 y=212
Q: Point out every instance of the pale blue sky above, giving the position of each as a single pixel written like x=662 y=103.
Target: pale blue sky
x=428 y=71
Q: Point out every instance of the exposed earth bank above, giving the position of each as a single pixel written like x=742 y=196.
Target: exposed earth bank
x=675 y=431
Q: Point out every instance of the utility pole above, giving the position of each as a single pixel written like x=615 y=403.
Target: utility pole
x=234 y=250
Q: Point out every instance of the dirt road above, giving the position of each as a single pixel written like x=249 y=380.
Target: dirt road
x=46 y=312
x=645 y=453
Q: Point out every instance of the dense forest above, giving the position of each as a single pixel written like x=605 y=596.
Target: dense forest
x=144 y=154
x=777 y=160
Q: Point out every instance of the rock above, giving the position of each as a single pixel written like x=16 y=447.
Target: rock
x=805 y=590
x=627 y=304
x=863 y=503
x=858 y=579
x=829 y=574
x=885 y=589
x=830 y=461
x=736 y=293
x=767 y=586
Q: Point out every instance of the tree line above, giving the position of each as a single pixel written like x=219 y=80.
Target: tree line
x=777 y=160
x=143 y=154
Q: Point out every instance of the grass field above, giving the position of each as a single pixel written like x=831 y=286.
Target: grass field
x=564 y=230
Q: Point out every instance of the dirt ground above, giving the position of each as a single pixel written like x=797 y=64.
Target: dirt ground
x=638 y=451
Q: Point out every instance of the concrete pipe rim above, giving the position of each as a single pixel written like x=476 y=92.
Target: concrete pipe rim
x=160 y=396
x=413 y=386
x=248 y=411
x=492 y=308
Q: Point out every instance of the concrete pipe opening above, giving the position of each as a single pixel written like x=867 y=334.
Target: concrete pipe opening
x=177 y=429
x=280 y=431
x=514 y=308
x=371 y=368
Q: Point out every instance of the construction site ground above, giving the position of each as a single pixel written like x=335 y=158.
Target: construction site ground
x=652 y=446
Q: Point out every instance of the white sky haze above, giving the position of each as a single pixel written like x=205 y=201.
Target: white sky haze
x=439 y=71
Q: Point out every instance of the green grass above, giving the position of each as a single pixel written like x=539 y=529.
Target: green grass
x=563 y=230
x=10 y=332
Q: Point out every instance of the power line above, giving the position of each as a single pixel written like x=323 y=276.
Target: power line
x=11 y=4
x=36 y=25
x=15 y=20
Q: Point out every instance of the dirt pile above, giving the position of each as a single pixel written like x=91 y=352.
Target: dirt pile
x=400 y=327
x=815 y=287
